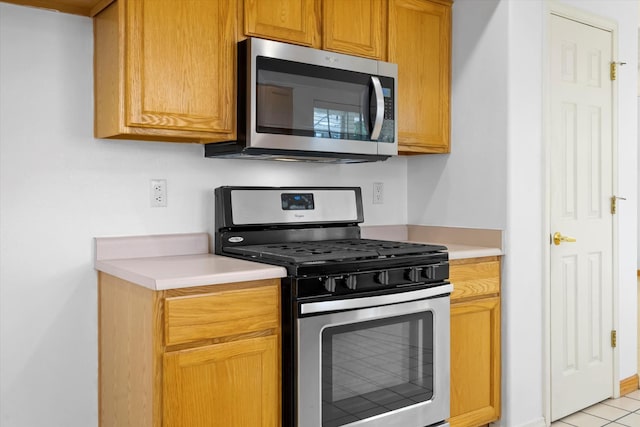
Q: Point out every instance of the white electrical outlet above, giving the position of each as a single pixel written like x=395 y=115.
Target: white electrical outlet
x=158 y=193
x=378 y=193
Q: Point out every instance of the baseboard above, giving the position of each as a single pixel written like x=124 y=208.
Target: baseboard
x=539 y=422
x=628 y=385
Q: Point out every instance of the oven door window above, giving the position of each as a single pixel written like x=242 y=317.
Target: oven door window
x=374 y=367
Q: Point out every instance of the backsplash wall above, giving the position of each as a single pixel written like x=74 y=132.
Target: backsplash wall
x=59 y=187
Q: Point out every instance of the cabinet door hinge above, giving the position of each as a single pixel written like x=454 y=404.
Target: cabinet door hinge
x=614 y=338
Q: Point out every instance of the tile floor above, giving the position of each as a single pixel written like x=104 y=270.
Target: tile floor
x=624 y=411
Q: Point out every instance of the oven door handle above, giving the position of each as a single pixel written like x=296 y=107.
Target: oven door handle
x=353 y=303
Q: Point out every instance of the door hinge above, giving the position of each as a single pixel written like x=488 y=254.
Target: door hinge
x=614 y=338
x=613 y=67
x=614 y=204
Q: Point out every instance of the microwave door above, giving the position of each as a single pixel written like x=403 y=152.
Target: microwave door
x=307 y=107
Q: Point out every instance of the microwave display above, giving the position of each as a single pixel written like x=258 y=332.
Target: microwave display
x=301 y=99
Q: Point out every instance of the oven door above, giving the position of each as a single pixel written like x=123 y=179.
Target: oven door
x=375 y=362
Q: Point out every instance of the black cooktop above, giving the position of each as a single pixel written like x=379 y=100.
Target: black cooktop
x=316 y=252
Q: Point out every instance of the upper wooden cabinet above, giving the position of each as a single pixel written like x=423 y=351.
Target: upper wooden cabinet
x=165 y=70
x=77 y=7
x=420 y=43
x=292 y=21
x=355 y=27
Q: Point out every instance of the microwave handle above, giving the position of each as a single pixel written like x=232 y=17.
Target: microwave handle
x=377 y=123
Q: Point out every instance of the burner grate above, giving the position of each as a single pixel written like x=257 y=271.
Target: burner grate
x=332 y=250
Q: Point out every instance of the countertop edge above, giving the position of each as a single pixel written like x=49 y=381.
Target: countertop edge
x=253 y=271
x=474 y=252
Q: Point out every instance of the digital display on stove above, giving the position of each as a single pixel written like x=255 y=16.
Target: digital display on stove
x=297 y=201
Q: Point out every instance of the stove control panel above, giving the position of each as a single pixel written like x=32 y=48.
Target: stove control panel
x=371 y=281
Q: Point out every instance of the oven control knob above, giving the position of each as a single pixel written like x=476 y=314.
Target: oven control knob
x=429 y=272
x=414 y=274
x=436 y=272
x=382 y=277
x=330 y=284
x=351 y=282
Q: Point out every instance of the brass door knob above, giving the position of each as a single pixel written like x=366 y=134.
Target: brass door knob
x=559 y=238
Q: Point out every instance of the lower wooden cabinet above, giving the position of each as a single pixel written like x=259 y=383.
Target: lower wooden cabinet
x=228 y=384
x=191 y=357
x=475 y=342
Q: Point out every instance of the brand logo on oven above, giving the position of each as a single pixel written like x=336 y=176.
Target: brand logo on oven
x=298 y=215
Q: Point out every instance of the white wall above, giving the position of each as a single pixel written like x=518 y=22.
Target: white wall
x=522 y=290
x=467 y=187
x=59 y=188
x=508 y=82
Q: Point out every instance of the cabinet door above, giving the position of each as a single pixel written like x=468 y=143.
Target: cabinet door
x=355 y=27
x=293 y=21
x=229 y=384
x=420 y=43
x=180 y=65
x=475 y=362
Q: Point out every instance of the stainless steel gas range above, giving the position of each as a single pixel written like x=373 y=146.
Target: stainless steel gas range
x=365 y=322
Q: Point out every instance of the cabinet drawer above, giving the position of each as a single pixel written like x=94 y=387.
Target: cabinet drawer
x=220 y=314
x=475 y=279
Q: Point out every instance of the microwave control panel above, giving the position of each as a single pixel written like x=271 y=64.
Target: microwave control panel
x=387 y=134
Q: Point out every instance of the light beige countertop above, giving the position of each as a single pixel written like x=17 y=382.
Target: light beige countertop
x=175 y=261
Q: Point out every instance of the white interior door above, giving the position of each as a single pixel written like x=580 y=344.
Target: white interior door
x=581 y=186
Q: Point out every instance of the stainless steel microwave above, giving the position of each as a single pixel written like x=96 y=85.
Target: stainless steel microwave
x=298 y=103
